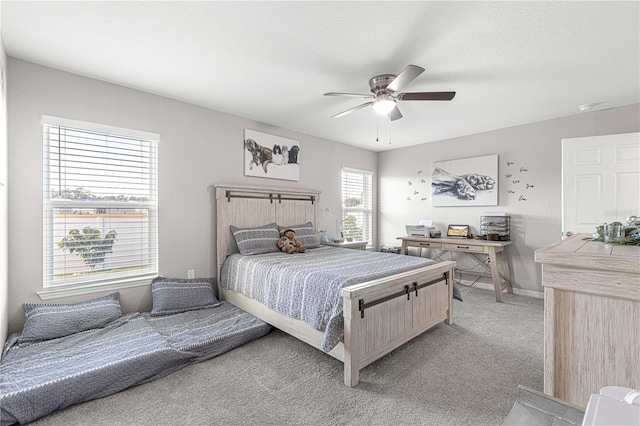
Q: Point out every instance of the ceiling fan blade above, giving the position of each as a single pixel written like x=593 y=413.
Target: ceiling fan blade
x=427 y=96
x=350 y=110
x=405 y=77
x=395 y=114
x=356 y=95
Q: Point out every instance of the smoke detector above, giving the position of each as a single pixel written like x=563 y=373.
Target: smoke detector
x=586 y=107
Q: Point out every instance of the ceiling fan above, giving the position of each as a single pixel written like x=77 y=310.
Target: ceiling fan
x=385 y=90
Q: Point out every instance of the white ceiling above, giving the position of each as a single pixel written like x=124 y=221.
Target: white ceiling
x=509 y=62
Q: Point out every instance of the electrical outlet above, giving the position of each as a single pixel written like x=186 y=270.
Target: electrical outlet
x=191 y=273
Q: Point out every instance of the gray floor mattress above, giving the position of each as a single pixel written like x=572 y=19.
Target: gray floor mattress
x=40 y=378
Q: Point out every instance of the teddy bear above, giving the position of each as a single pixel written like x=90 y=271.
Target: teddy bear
x=288 y=243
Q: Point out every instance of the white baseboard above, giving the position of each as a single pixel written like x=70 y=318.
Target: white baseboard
x=518 y=291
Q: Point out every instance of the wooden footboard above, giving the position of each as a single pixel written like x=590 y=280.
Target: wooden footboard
x=381 y=315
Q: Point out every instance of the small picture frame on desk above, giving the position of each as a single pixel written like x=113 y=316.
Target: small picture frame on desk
x=458 y=231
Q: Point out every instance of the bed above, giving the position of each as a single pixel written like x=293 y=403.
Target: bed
x=39 y=377
x=376 y=313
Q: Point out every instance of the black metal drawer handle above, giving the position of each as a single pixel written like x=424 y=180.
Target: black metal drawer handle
x=407 y=291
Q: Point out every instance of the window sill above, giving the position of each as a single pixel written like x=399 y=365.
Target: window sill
x=79 y=289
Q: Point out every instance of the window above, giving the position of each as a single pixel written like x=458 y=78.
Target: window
x=100 y=205
x=357 y=202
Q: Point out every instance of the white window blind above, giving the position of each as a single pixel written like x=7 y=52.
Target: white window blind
x=100 y=203
x=357 y=205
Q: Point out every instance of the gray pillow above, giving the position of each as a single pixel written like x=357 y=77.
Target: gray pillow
x=44 y=322
x=256 y=240
x=174 y=295
x=304 y=233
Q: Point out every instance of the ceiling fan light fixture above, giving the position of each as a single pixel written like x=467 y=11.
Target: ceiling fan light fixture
x=386 y=91
x=384 y=106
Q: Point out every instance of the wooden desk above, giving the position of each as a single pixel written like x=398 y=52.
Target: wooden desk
x=591 y=317
x=473 y=248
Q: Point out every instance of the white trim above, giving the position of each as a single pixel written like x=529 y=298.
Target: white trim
x=148 y=144
x=516 y=291
x=368 y=209
x=78 y=290
x=102 y=128
x=354 y=170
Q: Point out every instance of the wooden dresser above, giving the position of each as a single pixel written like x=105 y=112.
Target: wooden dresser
x=591 y=317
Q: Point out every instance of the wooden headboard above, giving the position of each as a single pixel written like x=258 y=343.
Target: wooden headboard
x=253 y=205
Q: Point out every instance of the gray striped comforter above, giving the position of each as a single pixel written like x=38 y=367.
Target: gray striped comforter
x=207 y=333
x=307 y=285
x=40 y=378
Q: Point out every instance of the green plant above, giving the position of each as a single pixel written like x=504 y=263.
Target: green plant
x=631 y=235
x=353 y=201
x=350 y=228
x=89 y=245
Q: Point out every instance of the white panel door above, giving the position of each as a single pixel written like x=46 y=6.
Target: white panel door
x=600 y=181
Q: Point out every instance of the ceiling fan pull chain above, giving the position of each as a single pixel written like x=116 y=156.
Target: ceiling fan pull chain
x=389 y=132
x=377 y=127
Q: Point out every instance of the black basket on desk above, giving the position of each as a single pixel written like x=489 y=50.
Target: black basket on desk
x=494 y=237
x=495 y=228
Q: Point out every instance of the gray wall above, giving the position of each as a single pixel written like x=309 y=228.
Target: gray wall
x=4 y=286
x=536 y=222
x=198 y=148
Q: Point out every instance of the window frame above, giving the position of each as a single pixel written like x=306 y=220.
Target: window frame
x=111 y=281
x=367 y=207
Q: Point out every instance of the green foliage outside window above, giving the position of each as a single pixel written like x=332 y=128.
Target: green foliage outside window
x=353 y=201
x=89 y=244
x=350 y=228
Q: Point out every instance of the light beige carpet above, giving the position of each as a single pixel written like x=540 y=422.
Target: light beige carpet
x=465 y=374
